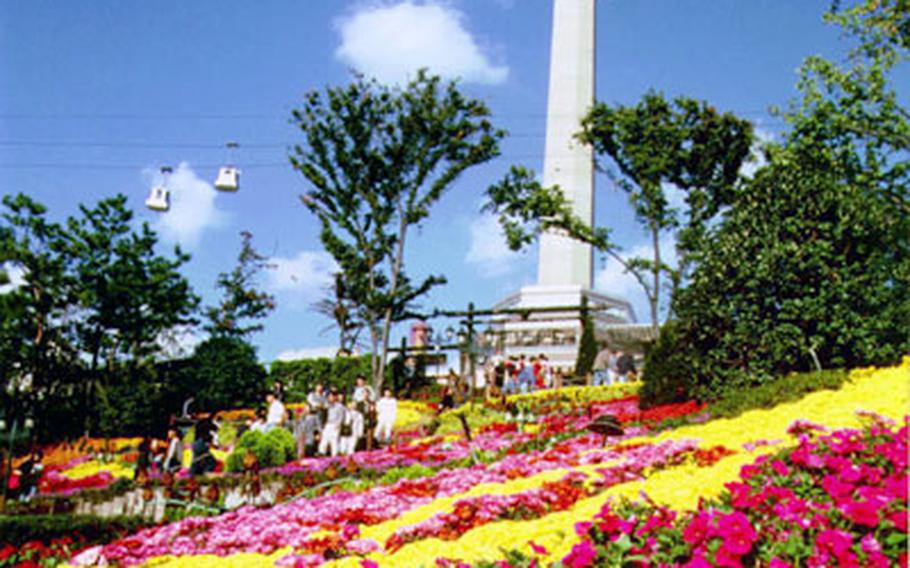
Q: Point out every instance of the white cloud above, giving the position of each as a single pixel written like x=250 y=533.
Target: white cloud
x=305 y=274
x=392 y=41
x=308 y=353
x=193 y=208
x=16 y=276
x=488 y=249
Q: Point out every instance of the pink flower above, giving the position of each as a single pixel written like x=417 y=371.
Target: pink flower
x=737 y=533
x=836 y=488
x=367 y=563
x=778 y=563
x=537 y=548
x=727 y=558
x=899 y=518
x=697 y=529
x=582 y=528
x=581 y=556
x=862 y=512
x=780 y=467
x=835 y=541
x=698 y=561
x=869 y=544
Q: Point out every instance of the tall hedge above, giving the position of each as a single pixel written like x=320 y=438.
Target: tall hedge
x=300 y=376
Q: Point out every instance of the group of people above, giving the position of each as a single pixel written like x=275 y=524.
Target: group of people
x=520 y=374
x=613 y=366
x=331 y=423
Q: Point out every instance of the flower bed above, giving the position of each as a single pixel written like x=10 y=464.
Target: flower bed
x=839 y=499
x=511 y=488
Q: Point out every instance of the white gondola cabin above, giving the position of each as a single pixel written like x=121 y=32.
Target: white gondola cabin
x=159 y=198
x=229 y=176
x=228 y=179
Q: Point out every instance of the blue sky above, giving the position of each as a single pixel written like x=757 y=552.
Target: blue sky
x=96 y=96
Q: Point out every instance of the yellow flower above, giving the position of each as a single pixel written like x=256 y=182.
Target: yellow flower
x=883 y=391
x=93 y=467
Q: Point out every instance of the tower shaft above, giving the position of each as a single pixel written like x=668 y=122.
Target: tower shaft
x=568 y=163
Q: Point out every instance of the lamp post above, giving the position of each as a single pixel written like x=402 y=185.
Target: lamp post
x=14 y=434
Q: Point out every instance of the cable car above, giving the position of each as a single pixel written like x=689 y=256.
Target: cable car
x=229 y=176
x=159 y=198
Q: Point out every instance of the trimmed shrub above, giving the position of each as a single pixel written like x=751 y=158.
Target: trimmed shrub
x=271 y=449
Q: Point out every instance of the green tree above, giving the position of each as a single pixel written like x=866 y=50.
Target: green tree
x=587 y=346
x=240 y=298
x=341 y=307
x=123 y=294
x=377 y=159
x=225 y=373
x=811 y=265
x=656 y=144
x=35 y=347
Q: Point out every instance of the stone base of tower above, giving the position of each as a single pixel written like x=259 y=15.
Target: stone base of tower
x=557 y=334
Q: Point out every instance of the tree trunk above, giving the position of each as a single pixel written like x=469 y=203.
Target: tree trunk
x=655 y=298
x=378 y=374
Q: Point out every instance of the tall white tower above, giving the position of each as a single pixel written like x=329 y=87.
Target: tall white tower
x=565 y=266
x=567 y=163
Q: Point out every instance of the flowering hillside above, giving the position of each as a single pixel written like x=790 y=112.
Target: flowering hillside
x=815 y=482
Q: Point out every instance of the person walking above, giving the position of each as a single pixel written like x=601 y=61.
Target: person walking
x=526 y=375
x=625 y=367
x=319 y=403
x=173 y=459
x=328 y=443
x=601 y=367
x=351 y=429
x=386 y=413
x=276 y=412
x=306 y=431
x=363 y=394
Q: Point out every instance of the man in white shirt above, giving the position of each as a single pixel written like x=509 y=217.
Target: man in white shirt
x=276 y=413
x=328 y=444
x=363 y=393
x=386 y=412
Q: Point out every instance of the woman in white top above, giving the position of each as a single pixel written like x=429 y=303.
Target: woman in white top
x=386 y=412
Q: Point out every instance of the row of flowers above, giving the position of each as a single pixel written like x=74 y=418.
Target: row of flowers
x=295 y=523
x=681 y=488
x=839 y=499
x=312 y=531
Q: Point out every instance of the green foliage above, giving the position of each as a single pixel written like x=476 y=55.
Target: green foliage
x=668 y=369
x=300 y=376
x=19 y=529
x=96 y=301
x=812 y=261
x=415 y=471
x=587 y=349
x=225 y=373
x=240 y=299
x=274 y=448
x=377 y=159
x=686 y=144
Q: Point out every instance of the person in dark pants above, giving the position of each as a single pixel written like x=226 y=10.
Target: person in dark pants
x=625 y=366
x=143 y=460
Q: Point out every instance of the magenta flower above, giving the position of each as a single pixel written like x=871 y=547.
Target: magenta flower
x=737 y=532
x=581 y=556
